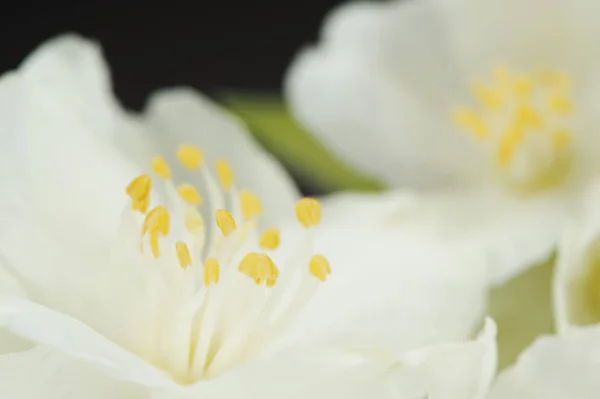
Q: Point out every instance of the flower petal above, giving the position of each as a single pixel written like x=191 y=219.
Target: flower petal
x=516 y=233
x=452 y=370
x=296 y=374
x=78 y=341
x=369 y=91
x=62 y=178
x=43 y=372
x=558 y=367
x=531 y=34
x=183 y=116
x=392 y=287
x=365 y=209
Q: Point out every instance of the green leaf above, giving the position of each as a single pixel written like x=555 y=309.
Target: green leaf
x=278 y=132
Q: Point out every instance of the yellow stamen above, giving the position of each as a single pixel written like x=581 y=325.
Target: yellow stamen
x=161 y=167
x=139 y=192
x=502 y=77
x=141 y=206
x=154 y=245
x=269 y=239
x=561 y=139
x=250 y=203
x=319 y=267
x=191 y=157
x=156 y=221
x=488 y=97
x=471 y=122
x=523 y=86
x=189 y=194
x=224 y=173
x=225 y=222
x=308 y=212
x=508 y=144
x=183 y=254
x=555 y=80
x=211 y=271
x=193 y=220
x=528 y=116
x=560 y=104
x=260 y=268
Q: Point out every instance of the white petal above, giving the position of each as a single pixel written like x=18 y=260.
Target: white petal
x=524 y=34
x=560 y=367
x=75 y=339
x=62 y=178
x=43 y=372
x=451 y=371
x=183 y=116
x=310 y=373
x=365 y=209
x=516 y=232
x=392 y=287
x=377 y=97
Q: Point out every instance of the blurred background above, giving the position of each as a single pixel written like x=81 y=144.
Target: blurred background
x=211 y=45
x=236 y=52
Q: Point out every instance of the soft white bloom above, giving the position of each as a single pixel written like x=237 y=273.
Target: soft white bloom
x=116 y=282
x=488 y=109
x=558 y=367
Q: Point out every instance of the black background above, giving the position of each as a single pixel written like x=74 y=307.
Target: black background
x=208 y=45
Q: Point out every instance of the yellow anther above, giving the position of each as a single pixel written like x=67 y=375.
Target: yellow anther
x=308 y=212
x=488 y=97
x=508 y=144
x=561 y=139
x=250 y=203
x=183 y=254
x=225 y=222
x=139 y=191
x=156 y=222
x=191 y=157
x=529 y=117
x=560 y=104
x=470 y=121
x=523 y=86
x=141 y=206
x=502 y=77
x=193 y=220
x=189 y=194
x=224 y=173
x=555 y=80
x=260 y=268
x=269 y=239
x=154 y=244
x=211 y=271
x=319 y=267
x=161 y=167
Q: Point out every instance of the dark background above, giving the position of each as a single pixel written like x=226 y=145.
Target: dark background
x=209 y=45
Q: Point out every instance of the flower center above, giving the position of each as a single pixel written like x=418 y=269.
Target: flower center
x=522 y=122
x=209 y=295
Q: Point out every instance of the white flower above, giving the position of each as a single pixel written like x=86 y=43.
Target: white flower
x=558 y=367
x=143 y=295
x=487 y=109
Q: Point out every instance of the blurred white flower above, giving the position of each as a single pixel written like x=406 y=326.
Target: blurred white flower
x=487 y=110
x=554 y=367
x=145 y=296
